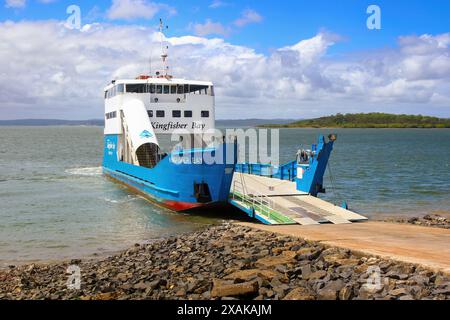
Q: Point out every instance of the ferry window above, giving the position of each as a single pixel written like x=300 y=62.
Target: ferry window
x=212 y=90
x=152 y=88
x=159 y=89
x=106 y=94
x=180 y=89
x=205 y=114
x=197 y=89
x=160 y=113
x=188 y=114
x=150 y=113
x=176 y=113
x=166 y=89
x=120 y=88
x=173 y=89
x=186 y=88
x=136 y=88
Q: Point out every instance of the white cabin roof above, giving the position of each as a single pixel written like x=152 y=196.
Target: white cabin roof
x=155 y=80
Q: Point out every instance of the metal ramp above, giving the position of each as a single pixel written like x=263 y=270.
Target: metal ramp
x=275 y=201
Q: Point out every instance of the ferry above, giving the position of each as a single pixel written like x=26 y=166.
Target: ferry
x=142 y=116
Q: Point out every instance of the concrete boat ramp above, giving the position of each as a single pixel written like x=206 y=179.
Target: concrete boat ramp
x=426 y=246
x=278 y=202
x=285 y=210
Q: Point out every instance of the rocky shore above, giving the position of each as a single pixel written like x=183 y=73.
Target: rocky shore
x=228 y=262
x=429 y=220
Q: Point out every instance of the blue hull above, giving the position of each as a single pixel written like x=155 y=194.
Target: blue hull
x=176 y=186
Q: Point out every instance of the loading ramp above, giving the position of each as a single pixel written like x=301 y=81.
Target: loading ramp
x=277 y=202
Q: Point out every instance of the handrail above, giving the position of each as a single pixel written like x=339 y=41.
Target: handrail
x=254 y=199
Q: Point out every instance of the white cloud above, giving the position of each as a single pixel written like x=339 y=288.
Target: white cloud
x=15 y=3
x=60 y=73
x=218 y=4
x=209 y=28
x=248 y=16
x=134 y=9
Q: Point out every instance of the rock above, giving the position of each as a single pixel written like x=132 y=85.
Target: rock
x=180 y=293
x=300 y=294
x=272 y=261
x=335 y=285
x=398 y=292
x=106 y=296
x=238 y=289
x=250 y=274
x=441 y=280
x=289 y=254
x=326 y=294
x=315 y=275
x=337 y=260
x=305 y=271
x=346 y=293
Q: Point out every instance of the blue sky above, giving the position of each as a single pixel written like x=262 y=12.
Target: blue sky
x=284 y=22
x=319 y=53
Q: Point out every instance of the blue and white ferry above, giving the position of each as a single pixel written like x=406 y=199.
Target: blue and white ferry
x=141 y=116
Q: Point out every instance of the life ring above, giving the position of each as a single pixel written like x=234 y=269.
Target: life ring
x=156 y=99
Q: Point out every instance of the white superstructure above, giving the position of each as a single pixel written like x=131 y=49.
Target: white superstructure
x=170 y=103
x=136 y=110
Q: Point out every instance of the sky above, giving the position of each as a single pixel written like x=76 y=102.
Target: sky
x=267 y=59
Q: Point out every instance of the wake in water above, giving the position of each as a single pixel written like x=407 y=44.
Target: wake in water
x=128 y=198
x=89 y=171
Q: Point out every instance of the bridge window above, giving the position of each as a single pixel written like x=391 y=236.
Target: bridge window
x=176 y=113
x=166 y=89
x=198 y=89
x=173 y=89
x=205 y=114
x=136 y=88
x=188 y=114
x=180 y=89
x=152 y=88
x=120 y=88
x=159 y=89
x=160 y=113
x=150 y=113
x=106 y=94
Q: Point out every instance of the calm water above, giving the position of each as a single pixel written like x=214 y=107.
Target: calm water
x=54 y=202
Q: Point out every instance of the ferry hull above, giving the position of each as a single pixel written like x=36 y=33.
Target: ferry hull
x=177 y=186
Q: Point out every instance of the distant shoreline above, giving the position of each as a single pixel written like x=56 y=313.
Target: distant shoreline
x=368 y=121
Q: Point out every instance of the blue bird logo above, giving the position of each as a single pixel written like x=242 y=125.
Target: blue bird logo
x=146 y=134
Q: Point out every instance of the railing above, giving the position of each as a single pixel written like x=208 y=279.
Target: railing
x=286 y=171
x=254 y=199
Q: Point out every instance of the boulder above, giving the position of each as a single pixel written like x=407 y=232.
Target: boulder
x=327 y=294
x=250 y=274
x=300 y=294
x=316 y=275
x=272 y=261
x=232 y=290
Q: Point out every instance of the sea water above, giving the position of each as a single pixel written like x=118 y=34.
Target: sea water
x=56 y=204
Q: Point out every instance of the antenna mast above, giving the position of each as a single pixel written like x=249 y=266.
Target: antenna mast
x=164 y=50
